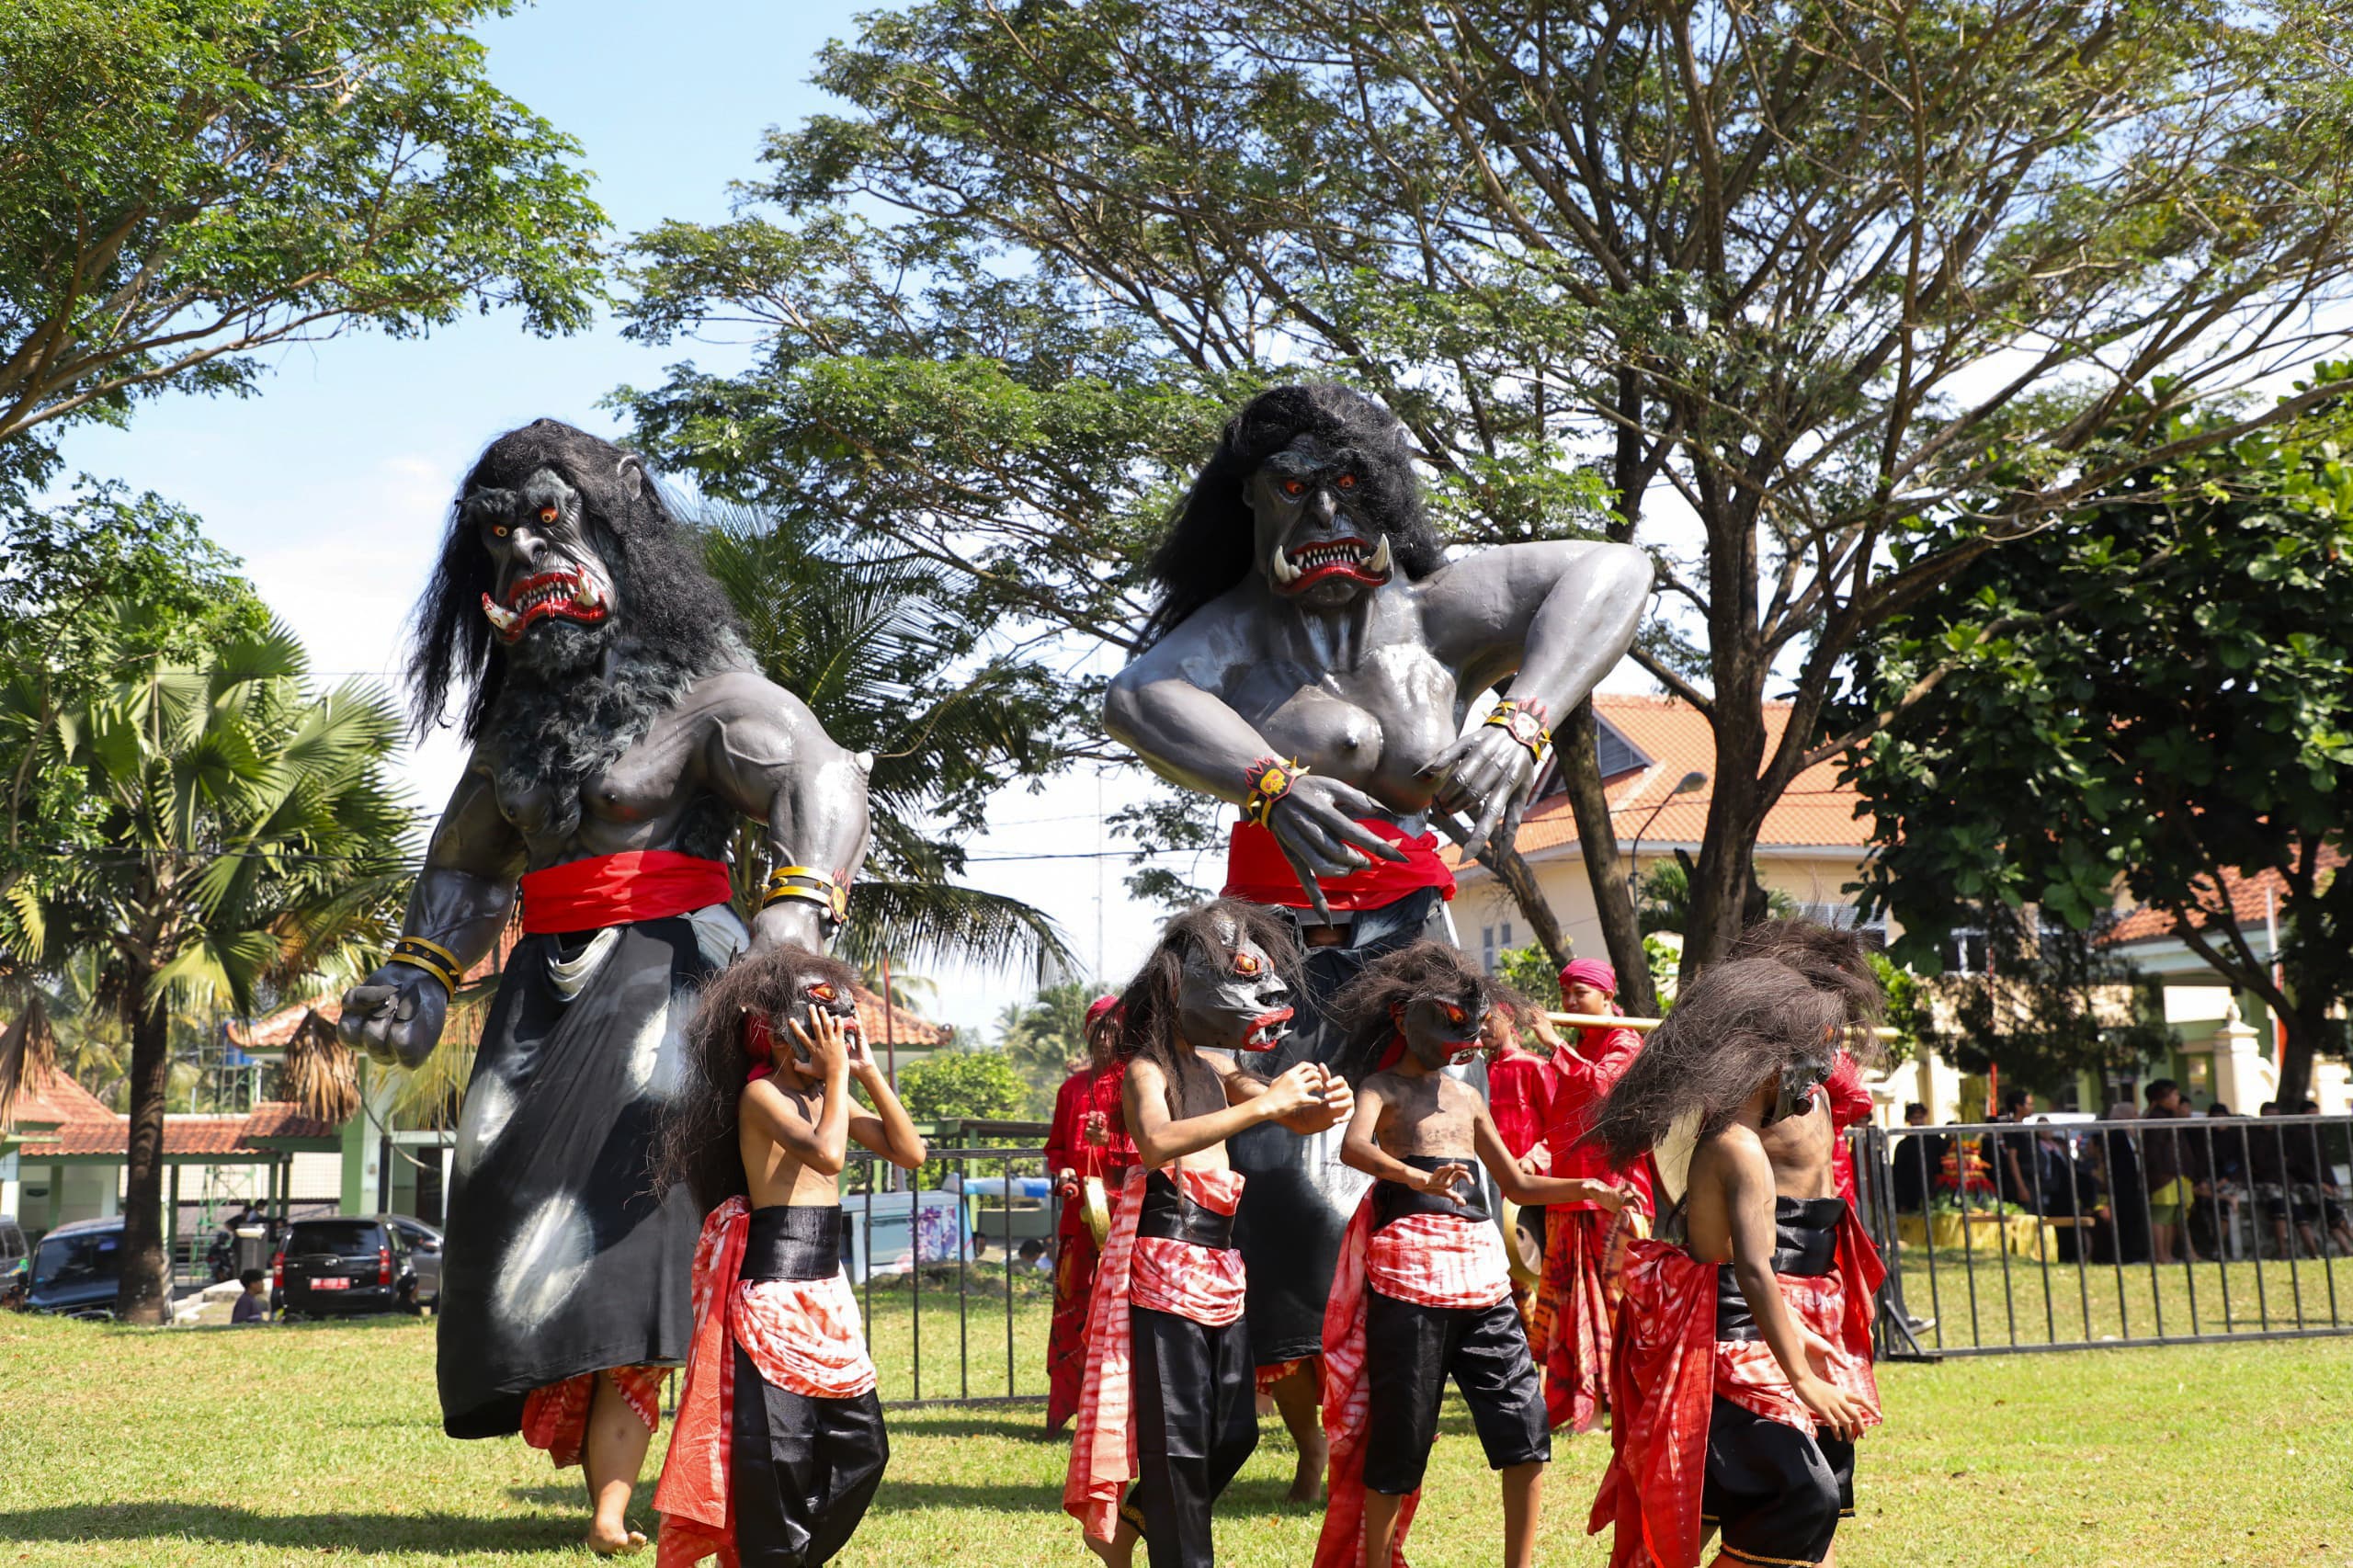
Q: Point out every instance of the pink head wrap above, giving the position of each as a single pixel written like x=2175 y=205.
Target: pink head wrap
x=1589 y=971
x=1100 y=1006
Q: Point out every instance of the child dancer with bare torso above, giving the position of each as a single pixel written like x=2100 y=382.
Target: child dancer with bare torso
x=1423 y=1287
x=779 y=1442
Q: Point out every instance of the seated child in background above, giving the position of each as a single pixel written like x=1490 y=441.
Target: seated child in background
x=779 y=1442
x=1740 y=1389
x=1423 y=1287
x=1169 y=1382
x=254 y=1305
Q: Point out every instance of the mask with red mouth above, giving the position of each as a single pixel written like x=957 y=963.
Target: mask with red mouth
x=1230 y=995
x=1443 y=1031
x=763 y=1037
x=545 y=568
x=1318 y=536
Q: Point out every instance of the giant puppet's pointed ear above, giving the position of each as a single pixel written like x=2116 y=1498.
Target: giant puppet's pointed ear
x=631 y=469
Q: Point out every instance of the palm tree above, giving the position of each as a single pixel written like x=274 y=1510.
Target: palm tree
x=246 y=838
x=862 y=635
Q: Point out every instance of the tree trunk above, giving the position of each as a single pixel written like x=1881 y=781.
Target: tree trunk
x=2301 y=1031
x=1580 y=768
x=1512 y=870
x=1723 y=877
x=144 y=1295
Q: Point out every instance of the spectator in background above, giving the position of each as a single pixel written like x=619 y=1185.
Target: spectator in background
x=1034 y=1258
x=1917 y=1157
x=1520 y=1096
x=2125 y=1202
x=2171 y=1167
x=2011 y=1155
x=253 y=1306
x=2228 y=1165
x=1089 y=1142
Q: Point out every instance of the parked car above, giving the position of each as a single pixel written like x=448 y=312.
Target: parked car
x=77 y=1269
x=352 y=1264
x=15 y=1262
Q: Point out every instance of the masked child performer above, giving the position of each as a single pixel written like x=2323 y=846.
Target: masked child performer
x=1576 y=1293
x=1168 y=1398
x=1744 y=1365
x=1423 y=1290
x=779 y=1444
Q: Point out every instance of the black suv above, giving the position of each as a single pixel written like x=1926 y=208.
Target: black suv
x=77 y=1270
x=375 y=1263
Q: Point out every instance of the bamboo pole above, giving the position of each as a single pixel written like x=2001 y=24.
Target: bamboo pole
x=1641 y=1026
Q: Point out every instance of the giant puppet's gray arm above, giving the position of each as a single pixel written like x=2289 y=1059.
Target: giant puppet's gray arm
x=769 y=758
x=460 y=904
x=1556 y=617
x=1163 y=707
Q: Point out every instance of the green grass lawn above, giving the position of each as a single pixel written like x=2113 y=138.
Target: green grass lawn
x=1995 y=1301
x=238 y=1449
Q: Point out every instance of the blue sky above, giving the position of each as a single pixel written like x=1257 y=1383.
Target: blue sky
x=331 y=484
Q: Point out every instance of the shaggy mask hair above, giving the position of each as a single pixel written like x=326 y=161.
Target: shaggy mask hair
x=700 y=1142
x=1144 y=1023
x=1208 y=547
x=1363 y=1006
x=562 y=705
x=1731 y=1030
x=1835 y=961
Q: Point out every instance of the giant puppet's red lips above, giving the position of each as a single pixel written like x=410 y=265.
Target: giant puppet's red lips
x=1266 y=1031
x=571 y=594
x=1299 y=567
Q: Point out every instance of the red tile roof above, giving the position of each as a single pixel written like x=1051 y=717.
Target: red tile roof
x=2252 y=897
x=52 y=1099
x=191 y=1137
x=275 y=1031
x=1815 y=811
x=905 y=1028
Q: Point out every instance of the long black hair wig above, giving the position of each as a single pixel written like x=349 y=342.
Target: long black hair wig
x=1366 y=1005
x=667 y=600
x=1208 y=547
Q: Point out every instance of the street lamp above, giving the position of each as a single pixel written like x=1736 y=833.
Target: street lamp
x=1694 y=779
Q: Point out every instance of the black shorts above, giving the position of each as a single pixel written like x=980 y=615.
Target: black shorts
x=1409 y=1353
x=1776 y=1492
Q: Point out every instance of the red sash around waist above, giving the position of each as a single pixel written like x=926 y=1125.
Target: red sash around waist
x=1256 y=871
x=619 y=889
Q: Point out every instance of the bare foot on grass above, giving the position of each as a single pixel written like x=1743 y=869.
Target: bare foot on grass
x=1314 y=1455
x=615 y=1541
x=1120 y=1552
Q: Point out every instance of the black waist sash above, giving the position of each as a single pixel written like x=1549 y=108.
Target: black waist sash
x=1170 y=1215
x=1394 y=1201
x=1805 y=1244
x=794 y=1242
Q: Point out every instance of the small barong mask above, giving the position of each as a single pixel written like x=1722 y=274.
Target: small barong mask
x=1230 y=995
x=1801 y=1078
x=1442 y=1031
x=810 y=995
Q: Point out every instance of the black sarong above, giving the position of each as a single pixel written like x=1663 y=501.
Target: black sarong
x=802 y=1469
x=558 y=1258
x=1196 y=1423
x=1296 y=1206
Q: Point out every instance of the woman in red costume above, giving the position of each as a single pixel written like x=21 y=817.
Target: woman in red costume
x=1089 y=1139
x=1576 y=1298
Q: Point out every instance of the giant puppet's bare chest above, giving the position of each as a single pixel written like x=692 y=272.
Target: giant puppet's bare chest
x=637 y=801
x=1376 y=724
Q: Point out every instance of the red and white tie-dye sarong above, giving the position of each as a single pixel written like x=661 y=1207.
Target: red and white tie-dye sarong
x=1103 y=1444
x=555 y=1418
x=801 y=1334
x=1431 y=1260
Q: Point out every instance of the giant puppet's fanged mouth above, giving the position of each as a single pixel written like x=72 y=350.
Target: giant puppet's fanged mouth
x=1266 y=1031
x=574 y=593
x=1299 y=567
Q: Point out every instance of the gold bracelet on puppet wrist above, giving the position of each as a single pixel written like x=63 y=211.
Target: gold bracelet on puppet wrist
x=435 y=960
x=1524 y=721
x=806 y=884
x=1270 y=780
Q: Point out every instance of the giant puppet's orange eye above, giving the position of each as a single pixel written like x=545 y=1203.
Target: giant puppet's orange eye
x=1294 y=487
x=498 y=530
x=1346 y=482
x=821 y=991
x=1246 y=963
x=549 y=513
x=1454 y=1015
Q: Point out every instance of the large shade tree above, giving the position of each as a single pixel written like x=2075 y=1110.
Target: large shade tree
x=1759 y=287
x=2153 y=706
x=184 y=184
x=237 y=833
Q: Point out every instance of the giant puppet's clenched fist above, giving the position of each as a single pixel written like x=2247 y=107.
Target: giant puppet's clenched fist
x=394 y=1016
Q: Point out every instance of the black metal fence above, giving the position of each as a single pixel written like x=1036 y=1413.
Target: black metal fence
x=953 y=1265
x=2044 y=1235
